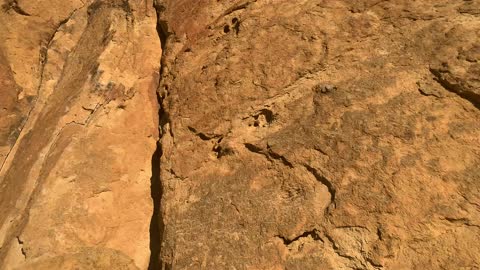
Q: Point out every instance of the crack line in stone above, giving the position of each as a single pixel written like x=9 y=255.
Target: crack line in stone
x=156 y=223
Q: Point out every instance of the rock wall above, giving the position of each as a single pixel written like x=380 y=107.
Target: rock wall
x=79 y=127
x=251 y=134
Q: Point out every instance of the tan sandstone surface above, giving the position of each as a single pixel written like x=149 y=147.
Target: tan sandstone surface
x=240 y=134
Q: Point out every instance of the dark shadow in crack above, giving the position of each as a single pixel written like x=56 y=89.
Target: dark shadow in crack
x=456 y=87
x=156 y=223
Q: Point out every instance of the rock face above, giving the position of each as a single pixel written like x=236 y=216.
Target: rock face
x=256 y=134
x=79 y=126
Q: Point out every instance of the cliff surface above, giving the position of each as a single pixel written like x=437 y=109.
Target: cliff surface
x=253 y=134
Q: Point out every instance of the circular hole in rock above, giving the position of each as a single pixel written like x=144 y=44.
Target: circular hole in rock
x=226 y=29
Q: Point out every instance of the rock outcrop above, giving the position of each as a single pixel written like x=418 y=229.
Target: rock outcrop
x=252 y=134
x=79 y=126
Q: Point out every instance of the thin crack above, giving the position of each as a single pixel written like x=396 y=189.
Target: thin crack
x=236 y=7
x=322 y=179
x=336 y=249
x=269 y=154
x=203 y=136
x=313 y=234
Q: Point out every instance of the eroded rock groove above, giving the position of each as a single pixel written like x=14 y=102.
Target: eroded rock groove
x=157 y=225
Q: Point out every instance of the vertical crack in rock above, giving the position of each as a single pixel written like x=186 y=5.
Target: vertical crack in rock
x=156 y=224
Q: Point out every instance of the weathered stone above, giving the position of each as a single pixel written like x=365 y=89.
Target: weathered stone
x=181 y=134
x=373 y=175
x=78 y=173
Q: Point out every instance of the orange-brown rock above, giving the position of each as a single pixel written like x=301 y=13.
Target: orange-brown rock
x=240 y=134
x=79 y=129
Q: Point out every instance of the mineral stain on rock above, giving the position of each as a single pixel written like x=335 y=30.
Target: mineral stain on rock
x=313 y=134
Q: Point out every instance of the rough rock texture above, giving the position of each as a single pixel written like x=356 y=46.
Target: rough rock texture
x=321 y=135
x=309 y=134
x=78 y=124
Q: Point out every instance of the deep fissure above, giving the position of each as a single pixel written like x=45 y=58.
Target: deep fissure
x=156 y=223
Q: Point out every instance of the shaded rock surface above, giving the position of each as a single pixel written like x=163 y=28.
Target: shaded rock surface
x=180 y=134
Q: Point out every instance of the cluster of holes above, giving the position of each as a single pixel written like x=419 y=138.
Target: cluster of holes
x=235 y=26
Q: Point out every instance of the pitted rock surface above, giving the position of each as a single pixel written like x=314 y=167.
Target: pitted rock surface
x=252 y=134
